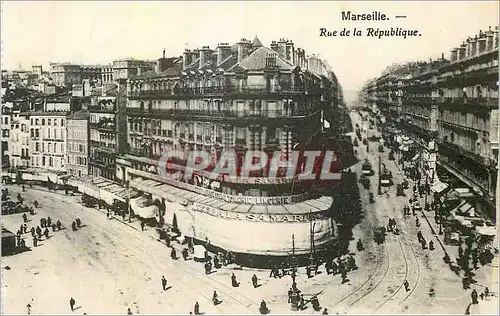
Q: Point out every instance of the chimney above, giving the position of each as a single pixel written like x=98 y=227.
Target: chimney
x=186 y=60
x=462 y=51
x=274 y=46
x=290 y=52
x=243 y=48
x=223 y=52
x=495 y=38
x=205 y=52
x=282 y=48
x=189 y=57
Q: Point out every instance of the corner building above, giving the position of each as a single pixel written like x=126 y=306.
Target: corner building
x=237 y=97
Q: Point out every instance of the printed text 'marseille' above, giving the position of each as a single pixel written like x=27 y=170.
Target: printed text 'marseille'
x=374 y=16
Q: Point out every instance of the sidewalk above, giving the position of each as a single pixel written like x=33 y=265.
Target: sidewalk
x=486 y=276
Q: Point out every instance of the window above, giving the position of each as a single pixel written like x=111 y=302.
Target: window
x=84 y=160
x=51 y=161
x=37 y=146
x=80 y=148
x=31 y=121
x=43 y=147
x=37 y=133
x=37 y=122
x=50 y=147
x=55 y=133
x=55 y=122
x=49 y=122
x=43 y=161
x=43 y=121
x=32 y=133
x=48 y=133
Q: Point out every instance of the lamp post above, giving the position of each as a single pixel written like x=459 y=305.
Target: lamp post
x=294 y=295
x=128 y=202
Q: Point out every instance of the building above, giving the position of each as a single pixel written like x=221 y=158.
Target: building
x=242 y=97
x=6 y=119
x=107 y=136
x=68 y=74
x=449 y=110
x=129 y=67
x=48 y=139
x=77 y=152
x=18 y=149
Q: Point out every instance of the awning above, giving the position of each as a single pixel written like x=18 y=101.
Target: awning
x=143 y=211
x=199 y=251
x=439 y=187
x=486 y=230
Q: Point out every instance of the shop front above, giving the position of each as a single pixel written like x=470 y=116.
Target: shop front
x=261 y=226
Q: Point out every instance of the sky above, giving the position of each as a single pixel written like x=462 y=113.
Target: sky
x=94 y=32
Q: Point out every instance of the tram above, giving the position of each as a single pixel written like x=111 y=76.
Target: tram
x=386 y=178
x=366 y=168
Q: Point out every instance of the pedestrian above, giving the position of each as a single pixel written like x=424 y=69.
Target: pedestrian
x=24 y=188
x=302 y=304
x=325 y=312
x=424 y=244
x=185 y=254
x=46 y=233
x=208 y=267
x=419 y=236
x=263 y=308
x=73 y=226
x=72 y=304
x=486 y=292
x=25 y=218
x=25 y=228
x=234 y=283
x=164 y=282
x=42 y=221
x=290 y=293
x=254 y=281
x=108 y=213
x=474 y=297
x=272 y=273
x=33 y=231
x=417 y=222
x=173 y=254
x=142 y=225
x=197 y=308
x=334 y=268
x=308 y=271
x=58 y=225
x=129 y=312
x=431 y=245
x=344 y=277
x=407 y=285
x=215 y=300
x=53 y=227
x=78 y=223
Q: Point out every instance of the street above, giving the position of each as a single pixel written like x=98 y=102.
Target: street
x=108 y=266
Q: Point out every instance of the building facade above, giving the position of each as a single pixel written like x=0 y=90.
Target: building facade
x=244 y=97
x=68 y=74
x=18 y=149
x=107 y=135
x=48 y=140
x=77 y=152
x=449 y=108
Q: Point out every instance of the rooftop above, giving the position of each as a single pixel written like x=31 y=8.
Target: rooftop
x=79 y=115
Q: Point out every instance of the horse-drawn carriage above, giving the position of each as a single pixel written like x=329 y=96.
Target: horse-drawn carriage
x=379 y=235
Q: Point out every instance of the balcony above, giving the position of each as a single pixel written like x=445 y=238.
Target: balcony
x=216 y=114
x=103 y=126
x=225 y=90
x=108 y=108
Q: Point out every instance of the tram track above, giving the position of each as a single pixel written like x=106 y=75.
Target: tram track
x=188 y=277
x=367 y=287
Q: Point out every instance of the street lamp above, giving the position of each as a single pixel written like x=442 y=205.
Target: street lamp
x=294 y=295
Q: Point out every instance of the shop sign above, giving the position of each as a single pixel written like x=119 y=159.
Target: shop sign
x=269 y=218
